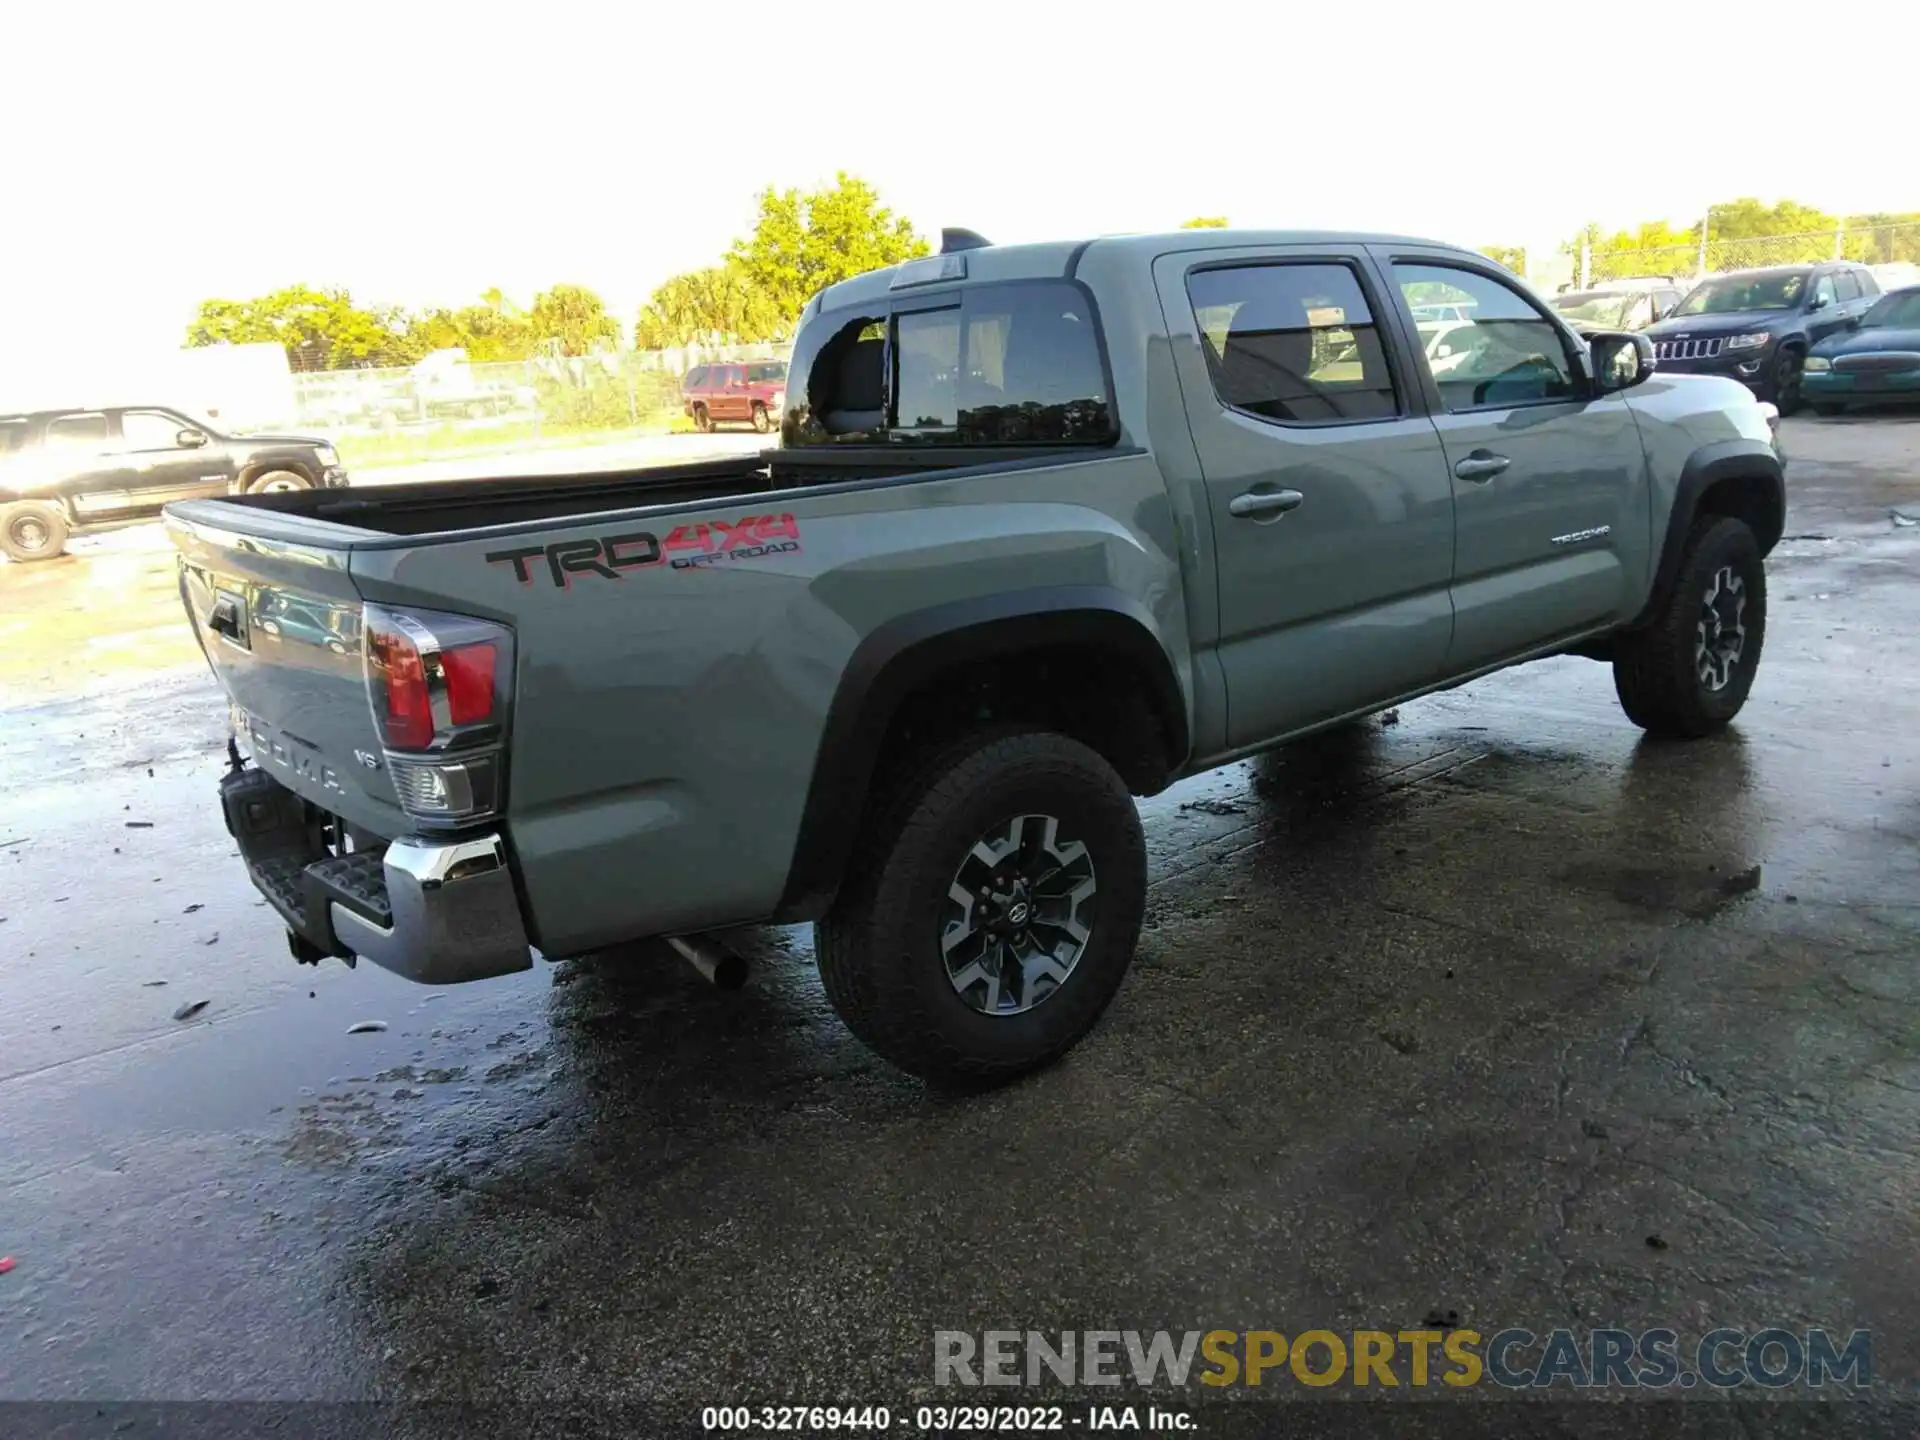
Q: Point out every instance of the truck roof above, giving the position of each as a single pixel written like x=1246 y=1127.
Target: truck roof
x=1050 y=259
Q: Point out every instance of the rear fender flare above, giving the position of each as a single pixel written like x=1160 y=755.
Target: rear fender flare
x=902 y=655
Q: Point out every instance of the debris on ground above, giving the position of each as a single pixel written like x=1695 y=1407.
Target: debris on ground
x=6 y=1263
x=1654 y=1242
x=366 y=1027
x=213 y=939
x=1593 y=1130
x=1214 y=807
x=139 y=824
x=1827 y=538
x=191 y=908
x=1438 y=1319
x=151 y=984
x=1390 y=718
x=1902 y=520
x=190 y=1009
x=1741 y=884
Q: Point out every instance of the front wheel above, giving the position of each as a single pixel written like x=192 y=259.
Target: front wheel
x=702 y=421
x=1785 y=382
x=32 y=530
x=1688 y=673
x=761 y=420
x=991 y=907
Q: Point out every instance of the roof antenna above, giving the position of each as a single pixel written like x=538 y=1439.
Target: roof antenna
x=952 y=240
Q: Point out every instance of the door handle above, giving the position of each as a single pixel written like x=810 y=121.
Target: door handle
x=1481 y=466
x=1258 y=504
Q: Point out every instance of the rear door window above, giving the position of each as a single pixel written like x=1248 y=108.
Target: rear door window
x=1295 y=342
x=1846 y=286
x=84 y=433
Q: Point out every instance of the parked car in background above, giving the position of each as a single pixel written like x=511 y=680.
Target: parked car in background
x=1610 y=309
x=753 y=391
x=1877 y=359
x=66 y=472
x=1758 y=325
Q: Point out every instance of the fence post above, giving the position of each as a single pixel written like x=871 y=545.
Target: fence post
x=1586 y=263
x=1706 y=224
x=1839 y=237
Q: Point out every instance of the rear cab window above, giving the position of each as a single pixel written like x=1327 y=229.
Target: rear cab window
x=13 y=434
x=1015 y=362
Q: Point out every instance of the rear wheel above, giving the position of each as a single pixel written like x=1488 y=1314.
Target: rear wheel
x=32 y=530
x=1785 y=383
x=276 y=482
x=1688 y=673
x=761 y=420
x=991 y=907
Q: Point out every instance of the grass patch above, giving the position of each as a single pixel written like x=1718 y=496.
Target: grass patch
x=469 y=441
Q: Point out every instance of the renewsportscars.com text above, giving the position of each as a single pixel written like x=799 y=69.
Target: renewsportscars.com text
x=1658 y=1359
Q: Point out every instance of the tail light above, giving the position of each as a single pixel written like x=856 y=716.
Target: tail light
x=441 y=688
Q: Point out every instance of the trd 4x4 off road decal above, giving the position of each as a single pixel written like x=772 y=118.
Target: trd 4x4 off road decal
x=711 y=542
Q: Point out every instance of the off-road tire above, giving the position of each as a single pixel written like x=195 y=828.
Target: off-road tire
x=762 y=421
x=32 y=530
x=1656 y=670
x=879 y=948
x=278 y=480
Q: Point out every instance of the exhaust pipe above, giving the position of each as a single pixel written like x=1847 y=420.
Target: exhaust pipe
x=720 y=967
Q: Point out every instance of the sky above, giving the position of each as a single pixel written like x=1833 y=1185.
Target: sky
x=418 y=154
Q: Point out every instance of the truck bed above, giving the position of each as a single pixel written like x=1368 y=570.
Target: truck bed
x=445 y=507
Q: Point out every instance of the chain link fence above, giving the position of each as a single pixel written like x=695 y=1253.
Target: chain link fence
x=1890 y=245
x=446 y=402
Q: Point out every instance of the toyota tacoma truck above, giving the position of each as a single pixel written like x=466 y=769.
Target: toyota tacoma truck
x=1049 y=527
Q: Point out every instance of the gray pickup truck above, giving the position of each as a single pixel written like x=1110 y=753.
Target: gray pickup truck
x=1050 y=526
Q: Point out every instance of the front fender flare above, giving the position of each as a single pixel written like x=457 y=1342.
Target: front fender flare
x=1740 y=459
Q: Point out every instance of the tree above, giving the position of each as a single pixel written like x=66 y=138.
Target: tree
x=489 y=331
x=320 y=329
x=806 y=241
x=1205 y=222
x=719 y=305
x=1514 y=257
x=573 y=319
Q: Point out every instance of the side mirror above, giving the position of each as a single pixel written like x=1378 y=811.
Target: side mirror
x=1820 y=302
x=190 y=439
x=1621 y=359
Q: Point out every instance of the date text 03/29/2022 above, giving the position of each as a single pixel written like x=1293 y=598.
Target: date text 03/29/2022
x=943 y=1419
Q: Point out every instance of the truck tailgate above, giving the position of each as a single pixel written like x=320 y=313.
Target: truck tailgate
x=281 y=624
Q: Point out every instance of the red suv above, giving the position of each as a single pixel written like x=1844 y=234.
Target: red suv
x=754 y=391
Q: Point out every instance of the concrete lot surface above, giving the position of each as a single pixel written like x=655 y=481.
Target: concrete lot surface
x=1493 y=1016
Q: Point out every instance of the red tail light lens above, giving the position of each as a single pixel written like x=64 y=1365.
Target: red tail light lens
x=468 y=670
x=398 y=679
x=435 y=681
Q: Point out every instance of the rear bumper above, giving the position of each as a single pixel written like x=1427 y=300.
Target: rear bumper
x=439 y=912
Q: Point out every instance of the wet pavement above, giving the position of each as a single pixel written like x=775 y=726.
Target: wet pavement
x=1495 y=1009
